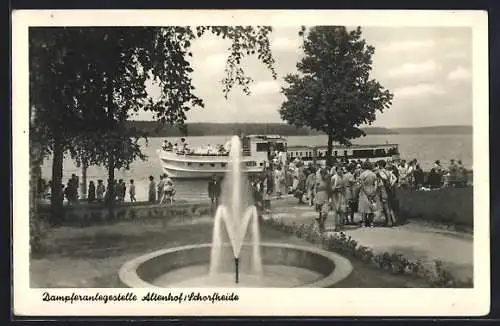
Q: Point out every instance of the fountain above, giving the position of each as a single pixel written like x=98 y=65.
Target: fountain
x=230 y=260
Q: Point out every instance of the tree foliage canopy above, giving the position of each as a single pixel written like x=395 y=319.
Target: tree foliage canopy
x=334 y=93
x=85 y=81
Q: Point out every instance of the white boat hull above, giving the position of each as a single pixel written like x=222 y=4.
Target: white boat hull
x=200 y=167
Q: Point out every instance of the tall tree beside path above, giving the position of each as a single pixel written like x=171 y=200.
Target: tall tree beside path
x=90 y=80
x=333 y=92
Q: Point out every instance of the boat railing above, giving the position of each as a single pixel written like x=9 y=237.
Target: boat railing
x=194 y=153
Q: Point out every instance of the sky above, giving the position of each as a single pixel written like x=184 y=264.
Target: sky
x=427 y=68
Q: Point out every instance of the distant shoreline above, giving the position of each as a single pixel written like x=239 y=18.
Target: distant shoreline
x=156 y=129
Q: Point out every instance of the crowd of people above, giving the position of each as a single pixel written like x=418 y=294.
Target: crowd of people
x=182 y=147
x=346 y=189
x=350 y=188
x=162 y=192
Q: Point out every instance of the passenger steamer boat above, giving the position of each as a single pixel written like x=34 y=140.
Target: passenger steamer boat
x=256 y=150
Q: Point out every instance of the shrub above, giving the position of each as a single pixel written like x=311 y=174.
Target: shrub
x=449 y=206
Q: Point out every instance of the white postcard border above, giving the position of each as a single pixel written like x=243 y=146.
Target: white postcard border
x=293 y=302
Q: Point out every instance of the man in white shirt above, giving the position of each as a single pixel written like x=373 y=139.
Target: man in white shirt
x=168 y=189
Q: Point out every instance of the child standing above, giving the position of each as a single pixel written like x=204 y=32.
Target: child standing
x=131 y=191
x=100 y=190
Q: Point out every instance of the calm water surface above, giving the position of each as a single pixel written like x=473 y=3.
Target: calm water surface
x=425 y=148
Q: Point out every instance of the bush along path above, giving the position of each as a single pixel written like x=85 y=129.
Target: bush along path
x=444 y=259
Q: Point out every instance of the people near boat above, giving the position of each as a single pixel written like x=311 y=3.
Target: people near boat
x=295 y=177
x=350 y=194
x=462 y=174
x=391 y=166
x=386 y=190
x=183 y=144
x=368 y=195
x=279 y=182
x=214 y=192
x=267 y=190
x=310 y=184
x=121 y=190
x=257 y=195
x=321 y=198
x=152 y=190
x=419 y=176
x=227 y=146
x=300 y=190
x=131 y=191
x=282 y=158
x=71 y=189
x=167 y=146
x=338 y=197
x=91 y=192
x=435 y=176
x=403 y=174
x=160 y=189
x=47 y=190
x=357 y=170
x=100 y=191
x=453 y=168
x=410 y=168
x=69 y=192
x=175 y=148
x=168 y=190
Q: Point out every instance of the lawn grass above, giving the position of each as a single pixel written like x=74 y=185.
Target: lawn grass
x=91 y=256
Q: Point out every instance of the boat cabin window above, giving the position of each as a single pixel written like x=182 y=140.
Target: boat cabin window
x=363 y=153
x=393 y=151
x=280 y=147
x=262 y=147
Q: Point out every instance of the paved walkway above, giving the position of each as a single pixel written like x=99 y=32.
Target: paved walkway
x=413 y=240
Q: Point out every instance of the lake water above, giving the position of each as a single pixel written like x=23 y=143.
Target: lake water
x=425 y=148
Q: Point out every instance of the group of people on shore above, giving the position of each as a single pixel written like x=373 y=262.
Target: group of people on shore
x=101 y=193
x=163 y=192
x=348 y=188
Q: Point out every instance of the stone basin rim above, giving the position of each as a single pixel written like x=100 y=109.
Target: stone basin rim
x=128 y=272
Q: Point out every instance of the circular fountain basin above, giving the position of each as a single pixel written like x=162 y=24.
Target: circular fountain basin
x=284 y=265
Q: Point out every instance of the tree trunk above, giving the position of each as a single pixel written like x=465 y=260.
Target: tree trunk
x=111 y=161
x=84 y=181
x=34 y=218
x=111 y=180
x=329 y=150
x=57 y=194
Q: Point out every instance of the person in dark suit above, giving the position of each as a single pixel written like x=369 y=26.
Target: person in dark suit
x=214 y=191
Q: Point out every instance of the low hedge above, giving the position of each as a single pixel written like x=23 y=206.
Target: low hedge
x=437 y=276
x=452 y=206
x=84 y=215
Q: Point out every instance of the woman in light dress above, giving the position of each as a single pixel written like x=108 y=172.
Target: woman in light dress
x=368 y=195
x=350 y=194
x=321 y=198
x=310 y=183
x=279 y=182
x=386 y=182
x=339 y=200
